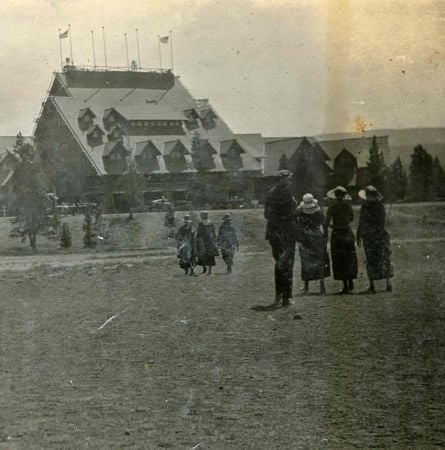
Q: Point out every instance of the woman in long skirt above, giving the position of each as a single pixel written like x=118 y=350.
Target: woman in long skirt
x=312 y=243
x=343 y=253
x=376 y=242
x=206 y=243
x=227 y=241
x=185 y=243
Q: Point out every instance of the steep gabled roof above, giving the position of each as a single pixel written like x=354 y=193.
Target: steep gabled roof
x=150 y=97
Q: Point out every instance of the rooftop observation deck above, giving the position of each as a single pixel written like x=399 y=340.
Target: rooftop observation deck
x=97 y=77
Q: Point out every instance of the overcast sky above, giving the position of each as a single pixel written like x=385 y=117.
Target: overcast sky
x=281 y=67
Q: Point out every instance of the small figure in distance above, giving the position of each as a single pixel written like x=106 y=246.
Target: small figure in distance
x=376 y=241
x=312 y=243
x=343 y=253
x=227 y=241
x=185 y=243
x=206 y=243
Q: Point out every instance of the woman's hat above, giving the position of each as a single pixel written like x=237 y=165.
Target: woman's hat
x=339 y=192
x=187 y=219
x=309 y=205
x=227 y=217
x=370 y=193
x=204 y=213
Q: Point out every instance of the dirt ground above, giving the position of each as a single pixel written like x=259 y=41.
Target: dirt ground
x=186 y=363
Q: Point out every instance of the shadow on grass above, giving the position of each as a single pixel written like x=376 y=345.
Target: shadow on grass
x=272 y=307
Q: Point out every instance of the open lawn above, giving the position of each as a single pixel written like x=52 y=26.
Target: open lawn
x=187 y=363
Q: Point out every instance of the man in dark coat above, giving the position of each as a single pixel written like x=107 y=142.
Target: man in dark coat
x=281 y=233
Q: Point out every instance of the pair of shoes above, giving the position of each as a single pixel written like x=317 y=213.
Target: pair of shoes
x=204 y=269
x=344 y=291
x=388 y=288
x=287 y=302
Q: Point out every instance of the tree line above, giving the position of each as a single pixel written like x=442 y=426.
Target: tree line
x=424 y=180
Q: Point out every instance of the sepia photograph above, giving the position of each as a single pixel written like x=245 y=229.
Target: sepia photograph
x=222 y=224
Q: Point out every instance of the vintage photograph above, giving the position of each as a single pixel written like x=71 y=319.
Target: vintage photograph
x=222 y=224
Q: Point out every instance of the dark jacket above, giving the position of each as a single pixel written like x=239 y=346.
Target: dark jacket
x=372 y=220
x=279 y=212
x=341 y=215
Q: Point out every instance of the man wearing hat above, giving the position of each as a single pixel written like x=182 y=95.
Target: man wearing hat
x=281 y=233
x=312 y=243
x=227 y=241
x=185 y=243
x=376 y=242
x=343 y=253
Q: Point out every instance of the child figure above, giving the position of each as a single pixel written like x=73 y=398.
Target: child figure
x=228 y=241
x=185 y=243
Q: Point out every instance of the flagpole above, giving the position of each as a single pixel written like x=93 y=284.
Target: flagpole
x=139 y=51
x=105 y=47
x=160 y=56
x=71 y=45
x=94 y=49
x=126 y=50
x=60 y=48
x=171 y=49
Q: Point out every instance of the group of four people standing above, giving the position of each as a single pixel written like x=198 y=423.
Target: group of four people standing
x=289 y=222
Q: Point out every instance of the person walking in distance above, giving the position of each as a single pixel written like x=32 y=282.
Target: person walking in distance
x=343 y=253
x=280 y=232
x=312 y=243
x=227 y=241
x=206 y=243
x=376 y=242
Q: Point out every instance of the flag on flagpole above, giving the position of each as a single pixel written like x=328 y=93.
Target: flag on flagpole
x=63 y=35
x=163 y=39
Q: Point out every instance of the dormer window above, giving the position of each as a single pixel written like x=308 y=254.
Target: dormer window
x=86 y=119
x=94 y=136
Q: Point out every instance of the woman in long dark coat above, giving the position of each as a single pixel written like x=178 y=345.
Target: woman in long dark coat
x=185 y=242
x=343 y=253
x=206 y=243
x=376 y=242
x=227 y=241
x=312 y=243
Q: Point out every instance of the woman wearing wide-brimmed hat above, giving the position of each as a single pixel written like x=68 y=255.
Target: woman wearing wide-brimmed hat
x=206 y=243
x=312 y=243
x=227 y=241
x=343 y=253
x=376 y=242
x=185 y=241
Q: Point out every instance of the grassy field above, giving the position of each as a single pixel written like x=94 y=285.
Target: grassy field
x=187 y=363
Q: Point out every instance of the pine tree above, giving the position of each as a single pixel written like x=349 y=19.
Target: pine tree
x=375 y=166
x=420 y=174
x=65 y=240
x=89 y=238
x=397 y=181
x=438 y=178
x=28 y=188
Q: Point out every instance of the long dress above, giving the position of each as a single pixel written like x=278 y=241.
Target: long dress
x=312 y=246
x=376 y=241
x=206 y=244
x=228 y=241
x=185 y=239
x=343 y=253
